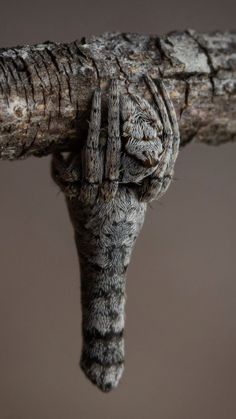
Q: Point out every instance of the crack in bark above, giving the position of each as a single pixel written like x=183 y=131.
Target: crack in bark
x=38 y=74
x=18 y=72
x=213 y=71
x=162 y=53
x=25 y=92
x=80 y=53
x=63 y=54
x=47 y=71
x=49 y=120
x=42 y=85
x=68 y=83
x=57 y=70
x=59 y=95
x=27 y=72
x=67 y=48
x=8 y=88
x=33 y=140
x=96 y=69
x=53 y=59
x=4 y=95
x=13 y=77
x=186 y=96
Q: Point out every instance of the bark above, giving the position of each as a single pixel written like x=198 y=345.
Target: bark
x=46 y=89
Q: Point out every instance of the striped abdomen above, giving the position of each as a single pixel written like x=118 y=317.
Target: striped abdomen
x=105 y=235
x=103 y=301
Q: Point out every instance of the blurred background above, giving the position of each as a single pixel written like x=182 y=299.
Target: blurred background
x=181 y=310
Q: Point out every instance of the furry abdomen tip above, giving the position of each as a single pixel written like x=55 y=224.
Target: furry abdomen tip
x=102 y=359
x=106 y=378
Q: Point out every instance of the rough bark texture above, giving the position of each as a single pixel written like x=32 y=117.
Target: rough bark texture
x=46 y=89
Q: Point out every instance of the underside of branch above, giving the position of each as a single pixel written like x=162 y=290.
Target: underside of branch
x=46 y=89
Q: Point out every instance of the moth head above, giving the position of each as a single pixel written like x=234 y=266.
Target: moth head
x=142 y=130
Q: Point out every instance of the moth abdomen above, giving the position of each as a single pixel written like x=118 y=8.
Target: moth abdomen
x=102 y=359
x=107 y=186
x=103 y=305
x=105 y=234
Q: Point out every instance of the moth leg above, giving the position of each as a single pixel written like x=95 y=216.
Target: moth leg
x=174 y=125
x=176 y=141
x=157 y=183
x=91 y=161
x=113 y=146
x=65 y=174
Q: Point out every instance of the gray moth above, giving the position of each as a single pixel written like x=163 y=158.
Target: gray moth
x=108 y=184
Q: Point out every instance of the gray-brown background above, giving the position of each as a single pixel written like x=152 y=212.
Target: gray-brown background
x=181 y=310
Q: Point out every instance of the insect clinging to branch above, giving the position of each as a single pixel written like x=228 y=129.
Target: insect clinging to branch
x=121 y=167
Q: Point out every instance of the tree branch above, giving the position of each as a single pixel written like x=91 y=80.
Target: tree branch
x=46 y=89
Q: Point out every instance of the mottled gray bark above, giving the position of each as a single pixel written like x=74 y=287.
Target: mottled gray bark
x=46 y=89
